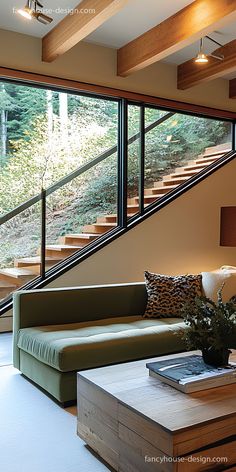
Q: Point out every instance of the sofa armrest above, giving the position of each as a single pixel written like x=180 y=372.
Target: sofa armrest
x=72 y=305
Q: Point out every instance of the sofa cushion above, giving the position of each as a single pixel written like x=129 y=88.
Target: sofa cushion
x=168 y=294
x=83 y=345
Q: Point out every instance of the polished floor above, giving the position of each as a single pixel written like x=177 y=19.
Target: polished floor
x=36 y=434
x=5 y=349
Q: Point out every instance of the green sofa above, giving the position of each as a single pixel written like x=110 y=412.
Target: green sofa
x=58 y=332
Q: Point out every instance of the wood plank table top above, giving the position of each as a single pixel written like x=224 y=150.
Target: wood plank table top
x=131 y=384
x=167 y=419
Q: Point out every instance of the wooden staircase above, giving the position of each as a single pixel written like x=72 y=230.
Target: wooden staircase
x=27 y=268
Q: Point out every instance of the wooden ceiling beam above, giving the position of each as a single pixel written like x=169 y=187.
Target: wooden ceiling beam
x=190 y=73
x=86 y=18
x=176 y=32
x=232 y=88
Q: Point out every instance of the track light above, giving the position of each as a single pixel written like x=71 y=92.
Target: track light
x=220 y=57
x=27 y=11
x=30 y=11
x=201 y=57
x=42 y=18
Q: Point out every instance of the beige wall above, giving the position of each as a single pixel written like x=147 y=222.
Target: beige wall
x=96 y=64
x=182 y=238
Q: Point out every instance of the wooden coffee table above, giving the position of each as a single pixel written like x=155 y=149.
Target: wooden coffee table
x=138 y=424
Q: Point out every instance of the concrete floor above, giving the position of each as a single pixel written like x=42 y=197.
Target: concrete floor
x=5 y=349
x=36 y=434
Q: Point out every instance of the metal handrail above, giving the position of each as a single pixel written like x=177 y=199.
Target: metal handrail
x=81 y=170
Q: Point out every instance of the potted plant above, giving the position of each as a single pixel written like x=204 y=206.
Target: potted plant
x=210 y=326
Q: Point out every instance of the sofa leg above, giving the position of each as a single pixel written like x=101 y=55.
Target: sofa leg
x=67 y=404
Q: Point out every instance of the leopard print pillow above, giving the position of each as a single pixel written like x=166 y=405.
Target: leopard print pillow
x=233 y=299
x=168 y=294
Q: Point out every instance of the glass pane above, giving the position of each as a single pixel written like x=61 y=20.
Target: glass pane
x=19 y=250
x=133 y=160
x=46 y=135
x=151 y=117
x=81 y=211
x=180 y=147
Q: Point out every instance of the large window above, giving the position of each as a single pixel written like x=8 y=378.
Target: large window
x=45 y=136
x=72 y=146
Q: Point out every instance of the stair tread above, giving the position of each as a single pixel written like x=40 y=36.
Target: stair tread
x=59 y=247
x=4 y=285
x=212 y=154
x=194 y=166
x=163 y=186
x=183 y=173
x=81 y=235
x=208 y=159
x=103 y=224
x=177 y=178
x=154 y=195
x=113 y=215
x=215 y=153
x=35 y=260
x=16 y=272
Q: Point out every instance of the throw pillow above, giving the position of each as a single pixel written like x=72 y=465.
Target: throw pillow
x=167 y=294
x=212 y=282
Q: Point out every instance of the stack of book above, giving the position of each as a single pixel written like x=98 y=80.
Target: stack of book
x=191 y=374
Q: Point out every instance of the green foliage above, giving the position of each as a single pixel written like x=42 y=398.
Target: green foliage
x=100 y=187
x=42 y=160
x=26 y=105
x=209 y=324
x=178 y=140
x=172 y=144
x=6 y=100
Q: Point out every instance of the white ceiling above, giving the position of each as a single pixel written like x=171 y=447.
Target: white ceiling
x=136 y=18
x=11 y=20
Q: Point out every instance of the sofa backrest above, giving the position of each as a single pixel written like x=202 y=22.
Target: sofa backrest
x=71 y=305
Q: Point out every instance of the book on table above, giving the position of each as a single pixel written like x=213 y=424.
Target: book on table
x=191 y=374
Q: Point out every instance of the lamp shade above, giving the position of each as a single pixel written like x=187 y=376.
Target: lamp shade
x=228 y=226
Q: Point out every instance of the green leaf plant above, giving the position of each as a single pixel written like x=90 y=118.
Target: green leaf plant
x=209 y=324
